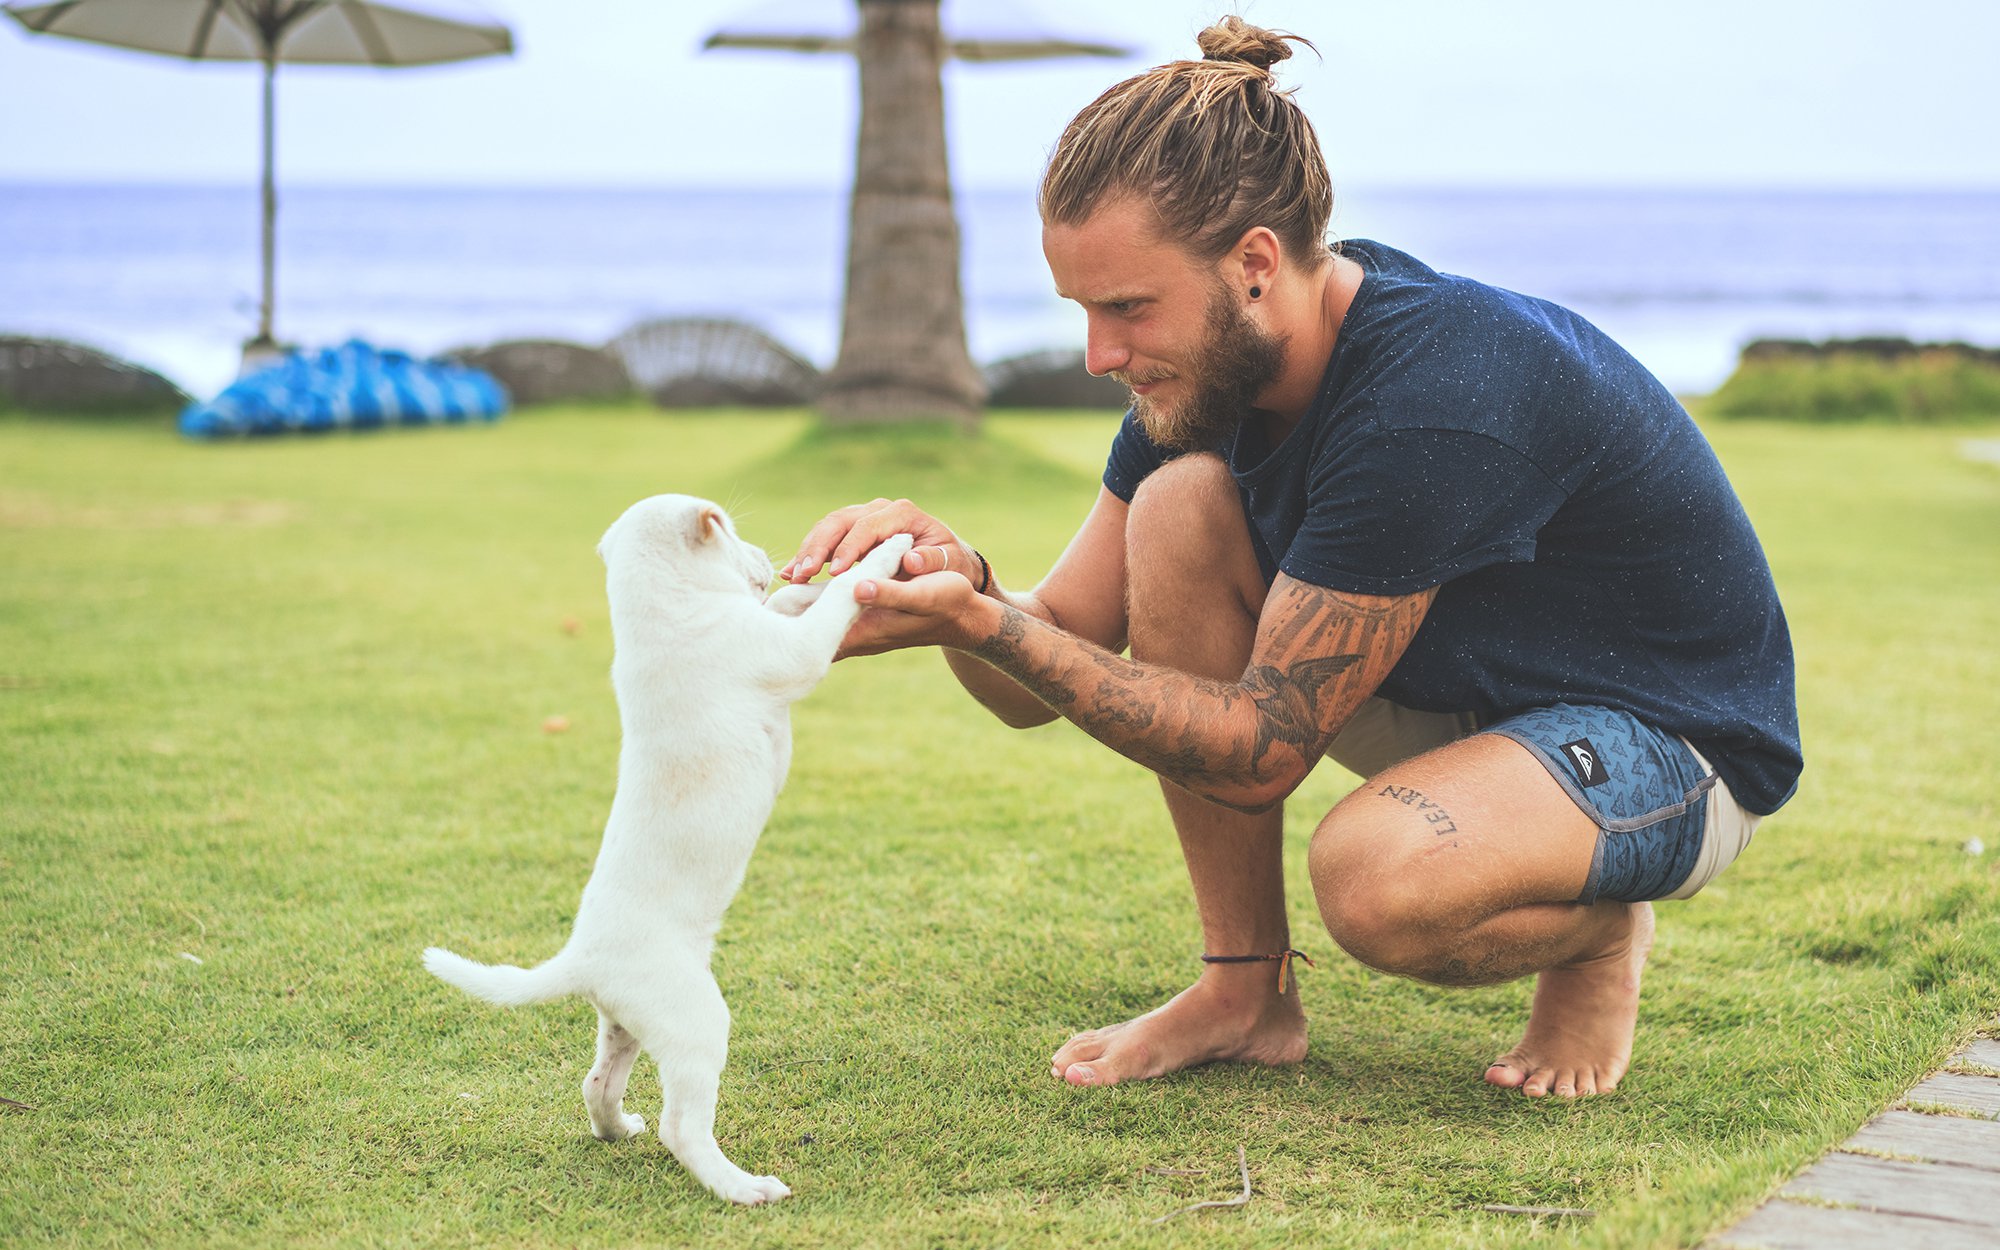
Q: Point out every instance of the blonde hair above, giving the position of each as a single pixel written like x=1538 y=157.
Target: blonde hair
x=1212 y=146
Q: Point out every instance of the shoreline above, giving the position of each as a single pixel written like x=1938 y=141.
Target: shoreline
x=167 y=276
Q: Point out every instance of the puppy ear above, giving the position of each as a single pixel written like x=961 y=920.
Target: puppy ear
x=707 y=524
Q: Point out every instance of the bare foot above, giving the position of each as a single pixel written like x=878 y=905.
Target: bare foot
x=1579 y=1038
x=1233 y=1013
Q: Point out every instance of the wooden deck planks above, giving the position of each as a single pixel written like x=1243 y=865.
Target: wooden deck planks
x=1944 y=1196
x=1978 y=1095
x=1791 y=1226
x=1984 y=1053
x=1940 y=1191
x=1938 y=1138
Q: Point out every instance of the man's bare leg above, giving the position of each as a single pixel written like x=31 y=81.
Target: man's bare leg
x=1476 y=899
x=1579 y=1038
x=1195 y=594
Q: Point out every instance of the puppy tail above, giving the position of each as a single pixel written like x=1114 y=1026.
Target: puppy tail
x=504 y=984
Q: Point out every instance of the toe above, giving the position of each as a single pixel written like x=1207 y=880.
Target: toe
x=1564 y=1085
x=1538 y=1082
x=1082 y=1048
x=1506 y=1073
x=1131 y=1059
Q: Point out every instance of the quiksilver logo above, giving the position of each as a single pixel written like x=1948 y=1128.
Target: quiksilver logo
x=1582 y=756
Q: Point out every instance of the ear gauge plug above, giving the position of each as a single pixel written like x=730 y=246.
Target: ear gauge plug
x=1256 y=291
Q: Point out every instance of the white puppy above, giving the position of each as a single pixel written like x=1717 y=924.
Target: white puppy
x=705 y=671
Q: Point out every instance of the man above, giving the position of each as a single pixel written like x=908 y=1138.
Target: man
x=1452 y=536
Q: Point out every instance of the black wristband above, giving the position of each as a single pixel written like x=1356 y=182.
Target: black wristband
x=985 y=571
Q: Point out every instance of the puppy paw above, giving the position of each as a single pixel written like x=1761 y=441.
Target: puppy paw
x=629 y=1124
x=886 y=558
x=727 y=1181
x=753 y=1191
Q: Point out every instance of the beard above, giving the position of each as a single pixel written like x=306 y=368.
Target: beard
x=1229 y=367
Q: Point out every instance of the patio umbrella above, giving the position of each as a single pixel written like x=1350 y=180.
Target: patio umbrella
x=903 y=353
x=304 y=32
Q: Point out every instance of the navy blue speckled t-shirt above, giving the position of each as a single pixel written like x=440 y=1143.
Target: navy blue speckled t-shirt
x=1587 y=545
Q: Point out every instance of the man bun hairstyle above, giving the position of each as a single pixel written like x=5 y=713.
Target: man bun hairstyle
x=1233 y=39
x=1211 y=146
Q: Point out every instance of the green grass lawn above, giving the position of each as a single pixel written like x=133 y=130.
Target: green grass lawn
x=273 y=722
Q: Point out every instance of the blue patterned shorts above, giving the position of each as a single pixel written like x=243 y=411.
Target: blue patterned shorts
x=1645 y=788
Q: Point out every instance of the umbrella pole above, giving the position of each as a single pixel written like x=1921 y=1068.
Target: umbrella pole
x=270 y=197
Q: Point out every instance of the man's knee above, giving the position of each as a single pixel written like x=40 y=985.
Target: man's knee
x=1201 y=473
x=1187 y=546
x=1187 y=504
x=1378 y=909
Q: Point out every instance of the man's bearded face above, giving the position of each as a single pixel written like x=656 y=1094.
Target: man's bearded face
x=1210 y=393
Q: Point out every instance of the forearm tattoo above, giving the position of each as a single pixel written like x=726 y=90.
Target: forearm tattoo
x=1318 y=655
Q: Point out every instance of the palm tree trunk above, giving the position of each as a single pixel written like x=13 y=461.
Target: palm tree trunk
x=902 y=337
x=270 y=202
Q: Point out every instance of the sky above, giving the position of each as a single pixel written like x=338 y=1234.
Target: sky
x=1890 y=94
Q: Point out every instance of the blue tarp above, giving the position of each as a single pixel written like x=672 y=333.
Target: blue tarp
x=353 y=386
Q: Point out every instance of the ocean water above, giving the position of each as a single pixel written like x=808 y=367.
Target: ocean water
x=167 y=276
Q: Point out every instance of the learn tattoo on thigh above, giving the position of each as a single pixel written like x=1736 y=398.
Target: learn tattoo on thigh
x=1439 y=819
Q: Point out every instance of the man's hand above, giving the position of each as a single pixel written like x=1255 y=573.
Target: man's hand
x=847 y=534
x=933 y=609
